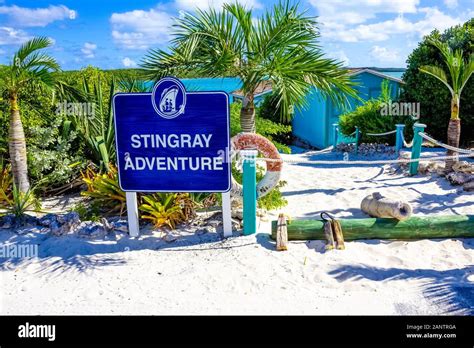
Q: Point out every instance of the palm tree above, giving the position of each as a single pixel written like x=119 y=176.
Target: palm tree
x=460 y=70
x=280 y=47
x=29 y=67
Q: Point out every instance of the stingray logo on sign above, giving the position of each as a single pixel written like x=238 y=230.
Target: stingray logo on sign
x=172 y=140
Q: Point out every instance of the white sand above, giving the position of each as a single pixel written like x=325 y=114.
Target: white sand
x=244 y=275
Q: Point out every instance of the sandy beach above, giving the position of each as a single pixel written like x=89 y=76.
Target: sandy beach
x=206 y=274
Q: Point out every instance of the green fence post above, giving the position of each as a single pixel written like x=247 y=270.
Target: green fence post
x=335 y=131
x=249 y=182
x=416 y=149
x=399 y=139
x=357 y=140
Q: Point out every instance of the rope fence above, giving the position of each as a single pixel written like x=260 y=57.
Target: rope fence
x=381 y=134
x=447 y=147
x=464 y=154
x=357 y=134
x=401 y=136
x=407 y=145
x=397 y=161
x=415 y=145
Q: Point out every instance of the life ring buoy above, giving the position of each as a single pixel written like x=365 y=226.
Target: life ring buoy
x=252 y=141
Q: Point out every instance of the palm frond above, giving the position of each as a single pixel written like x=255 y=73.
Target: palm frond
x=459 y=70
x=437 y=73
x=30 y=66
x=31 y=46
x=297 y=74
x=467 y=72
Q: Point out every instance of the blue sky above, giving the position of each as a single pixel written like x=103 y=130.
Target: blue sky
x=118 y=33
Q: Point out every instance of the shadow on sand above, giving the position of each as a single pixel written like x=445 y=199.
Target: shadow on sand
x=452 y=290
x=61 y=254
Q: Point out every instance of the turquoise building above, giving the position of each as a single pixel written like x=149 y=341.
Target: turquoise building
x=313 y=125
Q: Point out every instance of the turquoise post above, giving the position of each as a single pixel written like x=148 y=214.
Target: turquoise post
x=335 y=130
x=357 y=140
x=249 y=183
x=399 y=141
x=416 y=149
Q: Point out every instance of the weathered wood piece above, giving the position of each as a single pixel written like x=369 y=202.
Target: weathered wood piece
x=379 y=206
x=330 y=244
x=337 y=230
x=282 y=234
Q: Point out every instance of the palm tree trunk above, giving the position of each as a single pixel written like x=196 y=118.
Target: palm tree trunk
x=247 y=115
x=454 y=132
x=17 y=147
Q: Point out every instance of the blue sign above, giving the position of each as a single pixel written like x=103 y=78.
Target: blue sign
x=172 y=140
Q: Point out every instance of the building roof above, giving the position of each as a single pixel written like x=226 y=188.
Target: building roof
x=393 y=74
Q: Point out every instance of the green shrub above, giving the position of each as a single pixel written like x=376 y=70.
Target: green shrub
x=274 y=199
x=12 y=201
x=267 y=128
x=163 y=209
x=203 y=200
x=269 y=110
x=18 y=203
x=104 y=190
x=434 y=97
x=89 y=211
x=369 y=119
x=51 y=159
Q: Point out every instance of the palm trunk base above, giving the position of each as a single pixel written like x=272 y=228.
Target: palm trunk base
x=247 y=119
x=454 y=134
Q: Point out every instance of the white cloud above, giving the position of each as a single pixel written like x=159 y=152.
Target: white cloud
x=36 y=17
x=452 y=4
x=356 y=12
x=435 y=19
x=384 y=54
x=382 y=31
x=191 y=5
x=89 y=49
x=10 y=36
x=140 y=29
x=128 y=63
x=340 y=56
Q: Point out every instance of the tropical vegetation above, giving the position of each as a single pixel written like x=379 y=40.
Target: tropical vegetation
x=433 y=95
x=370 y=120
x=29 y=68
x=460 y=71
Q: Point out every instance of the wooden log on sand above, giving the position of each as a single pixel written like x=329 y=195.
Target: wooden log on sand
x=447 y=226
